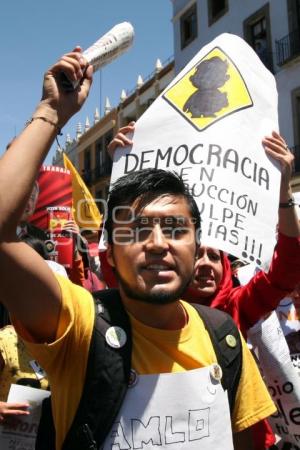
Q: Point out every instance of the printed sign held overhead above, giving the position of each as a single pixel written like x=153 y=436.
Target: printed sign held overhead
x=207 y=126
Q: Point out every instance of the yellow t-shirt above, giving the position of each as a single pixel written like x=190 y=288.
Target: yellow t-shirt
x=154 y=351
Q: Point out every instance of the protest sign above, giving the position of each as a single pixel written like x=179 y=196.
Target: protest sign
x=297 y=200
x=55 y=187
x=195 y=419
x=288 y=313
x=60 y=245
x=207 y=126
x=53 y=209
x=21 y=433
x=279 y=373
x=276 y=344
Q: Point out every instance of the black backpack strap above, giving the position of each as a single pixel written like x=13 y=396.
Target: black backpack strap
x=45 y=439
x=227 y=344
x=106 y=367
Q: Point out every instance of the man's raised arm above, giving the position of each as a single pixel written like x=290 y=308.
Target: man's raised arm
x=29 y=290
x=276 y=147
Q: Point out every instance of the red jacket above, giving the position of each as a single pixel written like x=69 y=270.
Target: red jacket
x=261 y=295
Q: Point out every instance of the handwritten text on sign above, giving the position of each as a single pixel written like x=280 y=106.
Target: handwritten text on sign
x=211 y=136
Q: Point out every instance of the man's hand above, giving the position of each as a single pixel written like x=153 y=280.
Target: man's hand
x=276 y=147
x=121 y=139
x=57 y=104
x=71 y=227
x=8 y=411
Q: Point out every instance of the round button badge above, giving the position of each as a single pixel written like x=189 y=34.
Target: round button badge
x=133 y=378
x=216 y=372
x=115 y=337
x=231 y=341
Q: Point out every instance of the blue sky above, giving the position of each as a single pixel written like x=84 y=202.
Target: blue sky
x=35 y=33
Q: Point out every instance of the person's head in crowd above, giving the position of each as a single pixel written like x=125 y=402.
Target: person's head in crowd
x=37 y=244
x=212 y=271
x=153 y=225
x=40 y=247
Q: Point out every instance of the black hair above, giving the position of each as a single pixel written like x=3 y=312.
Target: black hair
x=145 y=186
x=37 y=244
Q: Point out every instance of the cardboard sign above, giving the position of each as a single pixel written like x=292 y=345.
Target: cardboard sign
x=21 y=433
x=60 y=244
x=207 y=126
x=53 y=209
x=280 y=375
x=153 y=415
x=55 y=186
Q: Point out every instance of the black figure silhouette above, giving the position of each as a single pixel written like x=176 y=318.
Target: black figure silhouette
x=208 y=77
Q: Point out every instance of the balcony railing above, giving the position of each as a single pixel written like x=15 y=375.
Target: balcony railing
x=86 y=175
x=296 y=152
x=102 y=171
x=93 y=175
x=288 y=47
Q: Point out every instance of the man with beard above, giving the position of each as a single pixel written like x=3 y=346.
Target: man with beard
x=152 y=228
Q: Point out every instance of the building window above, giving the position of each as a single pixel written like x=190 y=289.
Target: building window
x=188 y=26
x=293 y=15
x=216 y=9
x=87 y=159
x=296 y=126
x=99 y=153
x=103 y=161
x=259 y=37
x=107 y=138
x=87 y=176
x=288 y=47
x=257 y=32
x=99 y=201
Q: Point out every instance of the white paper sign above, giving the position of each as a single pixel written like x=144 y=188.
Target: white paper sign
x=297 y=200
x=282 y=379
x=184 y=411
x=22 y=434
x=295 y=357
x=289 y=317
x=207 y=126
x=288 y=313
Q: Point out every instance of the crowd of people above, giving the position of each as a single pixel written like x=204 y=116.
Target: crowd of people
x=157 y=356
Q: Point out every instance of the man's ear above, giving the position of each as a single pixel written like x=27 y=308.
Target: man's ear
x=109 y=256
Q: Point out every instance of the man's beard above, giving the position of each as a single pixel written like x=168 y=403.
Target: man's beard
x=154 y=298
